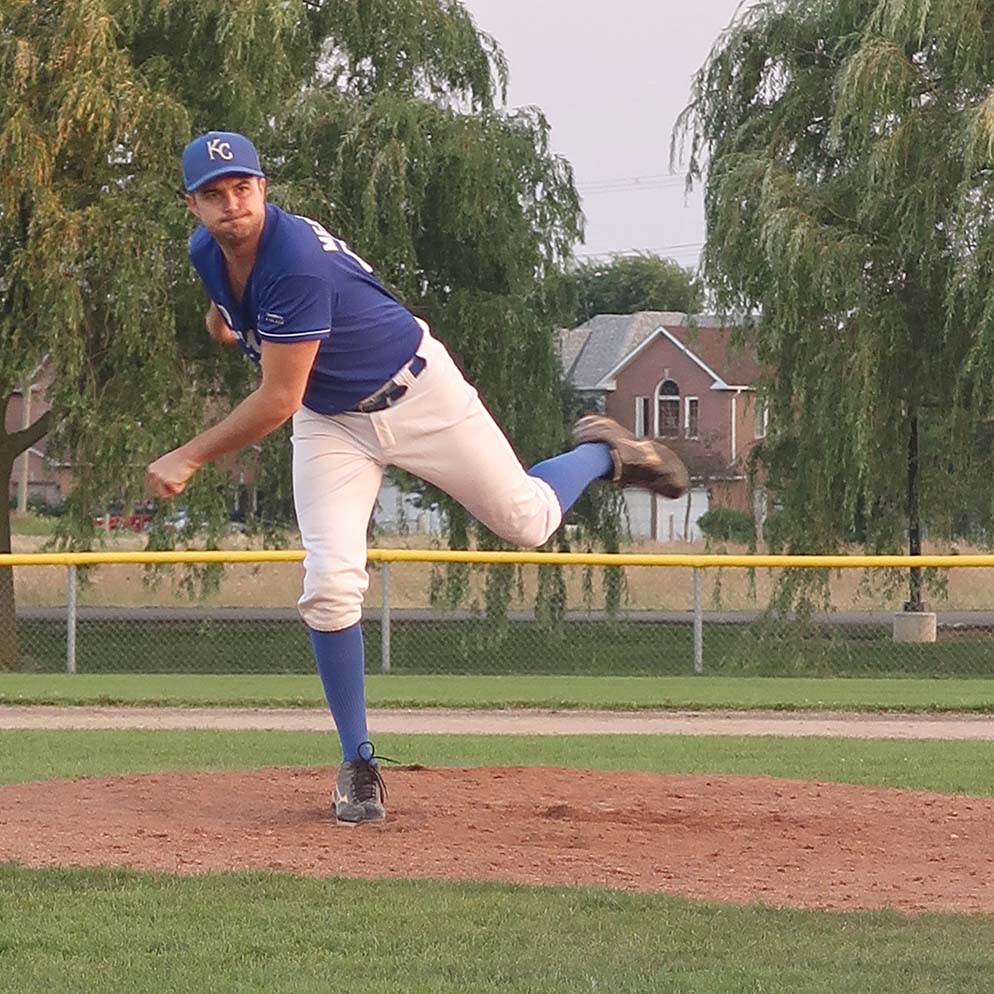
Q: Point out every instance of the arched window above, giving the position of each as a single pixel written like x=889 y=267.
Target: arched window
x=668 y=405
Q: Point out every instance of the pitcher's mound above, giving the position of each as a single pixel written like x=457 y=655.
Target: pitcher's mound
x=741 y=839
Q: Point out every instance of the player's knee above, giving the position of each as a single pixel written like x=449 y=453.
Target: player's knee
x=330 y=602
x=530 y=533
x=531 y=519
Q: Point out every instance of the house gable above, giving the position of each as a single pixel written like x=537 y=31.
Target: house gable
x=593 y=354
x=608 y=381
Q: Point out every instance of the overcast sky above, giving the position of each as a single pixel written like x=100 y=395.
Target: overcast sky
x=612 y=78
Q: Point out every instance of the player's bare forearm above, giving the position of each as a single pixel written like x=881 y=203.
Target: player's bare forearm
x=257 y=416
x=252 y=420
x=285 y=372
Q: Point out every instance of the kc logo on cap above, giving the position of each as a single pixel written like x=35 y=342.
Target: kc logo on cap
x=218 y=153
x=217 y=149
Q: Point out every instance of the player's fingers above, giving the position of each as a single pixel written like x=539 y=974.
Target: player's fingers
x=158 y=487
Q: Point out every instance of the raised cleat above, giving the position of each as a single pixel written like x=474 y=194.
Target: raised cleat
x=638 y=462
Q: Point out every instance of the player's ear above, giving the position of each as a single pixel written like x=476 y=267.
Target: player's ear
x=191 y=202
x=262 y=185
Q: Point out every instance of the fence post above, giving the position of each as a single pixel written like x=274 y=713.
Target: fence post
x=71 y=620
x=385 y=619
x=698 y=624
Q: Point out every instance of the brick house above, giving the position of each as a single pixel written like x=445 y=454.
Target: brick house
x=48 y=480
x=679 y=379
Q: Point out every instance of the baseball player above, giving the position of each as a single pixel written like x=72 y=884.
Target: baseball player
x=367 y=386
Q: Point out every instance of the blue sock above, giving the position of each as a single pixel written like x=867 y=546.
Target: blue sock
x=340 y=657
x=570 y=473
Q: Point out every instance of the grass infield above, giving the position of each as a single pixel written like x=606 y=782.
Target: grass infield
x=960 y=767
x=108 y=931
x=104 y=931
x=618 y=693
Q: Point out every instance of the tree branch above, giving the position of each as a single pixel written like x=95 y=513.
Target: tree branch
x=18 y=441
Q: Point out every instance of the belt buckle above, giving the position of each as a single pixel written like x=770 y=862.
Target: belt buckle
x=391 y=391
x=392 y=396
x=385 y=397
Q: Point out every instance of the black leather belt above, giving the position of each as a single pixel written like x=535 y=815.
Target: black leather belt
x=391 y=391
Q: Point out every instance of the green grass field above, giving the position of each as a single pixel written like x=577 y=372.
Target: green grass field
x=99 y=931
x=619 y=693
x=32 y=524
x=106 y=931
x=952 y=767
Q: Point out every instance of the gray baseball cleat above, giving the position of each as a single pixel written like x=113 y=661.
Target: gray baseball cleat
x=359 y=792
x=638 y=462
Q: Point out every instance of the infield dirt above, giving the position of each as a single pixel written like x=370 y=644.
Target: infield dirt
x=738 y=839
x=725 y=838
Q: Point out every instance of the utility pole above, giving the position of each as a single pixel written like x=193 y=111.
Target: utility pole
x=22 y=483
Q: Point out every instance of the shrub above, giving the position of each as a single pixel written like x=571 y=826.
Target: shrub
x=724 y=524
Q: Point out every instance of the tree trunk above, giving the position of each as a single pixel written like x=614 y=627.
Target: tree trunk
x=11 y=446
x=914 y=602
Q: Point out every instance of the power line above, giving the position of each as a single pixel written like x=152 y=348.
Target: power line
x=631 y=184
x=641 y=178
x=683 y=249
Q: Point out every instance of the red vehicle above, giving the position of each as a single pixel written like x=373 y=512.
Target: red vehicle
x=137 y=521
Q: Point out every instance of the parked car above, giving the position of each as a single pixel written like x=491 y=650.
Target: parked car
x=181 y=521
x=135 y=521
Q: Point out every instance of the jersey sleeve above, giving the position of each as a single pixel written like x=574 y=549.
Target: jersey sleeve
x=295 y=309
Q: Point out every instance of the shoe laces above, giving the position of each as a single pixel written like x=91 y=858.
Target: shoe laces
x=367 y=782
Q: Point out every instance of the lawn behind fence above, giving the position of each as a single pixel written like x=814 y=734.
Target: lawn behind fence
x=620 y=647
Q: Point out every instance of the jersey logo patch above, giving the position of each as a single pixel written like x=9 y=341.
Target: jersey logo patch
x=273 y=318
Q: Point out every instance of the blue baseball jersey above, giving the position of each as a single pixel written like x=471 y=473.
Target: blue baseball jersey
x=307 y=285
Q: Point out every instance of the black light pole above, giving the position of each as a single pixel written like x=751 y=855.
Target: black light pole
x=914 y=602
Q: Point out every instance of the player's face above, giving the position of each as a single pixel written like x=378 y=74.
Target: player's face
x=231 y=208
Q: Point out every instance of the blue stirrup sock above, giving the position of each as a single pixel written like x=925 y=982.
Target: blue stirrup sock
x=340 y=658
x=572 y=472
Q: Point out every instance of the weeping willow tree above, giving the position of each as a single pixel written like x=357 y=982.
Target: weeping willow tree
x=97 y=100
x=848 y=147
x=471 y=219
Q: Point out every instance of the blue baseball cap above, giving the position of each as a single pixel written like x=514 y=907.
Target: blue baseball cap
x=218 y=153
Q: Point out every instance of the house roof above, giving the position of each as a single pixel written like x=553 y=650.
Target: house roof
x=597 y=350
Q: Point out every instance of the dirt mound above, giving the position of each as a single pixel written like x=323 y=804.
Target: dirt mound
x=739 y=839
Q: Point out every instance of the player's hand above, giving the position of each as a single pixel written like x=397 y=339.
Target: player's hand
x=218 y=328
x=169 y=474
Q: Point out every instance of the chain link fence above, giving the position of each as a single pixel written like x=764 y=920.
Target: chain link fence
x=460 y=618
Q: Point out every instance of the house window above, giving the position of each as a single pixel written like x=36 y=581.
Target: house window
x=643 y=413
x=669 y=410
x=692 y=419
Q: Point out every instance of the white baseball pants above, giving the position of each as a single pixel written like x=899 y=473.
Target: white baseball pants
x=439 y=431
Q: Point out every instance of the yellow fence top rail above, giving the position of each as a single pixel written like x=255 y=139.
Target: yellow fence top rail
x=535 y=558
